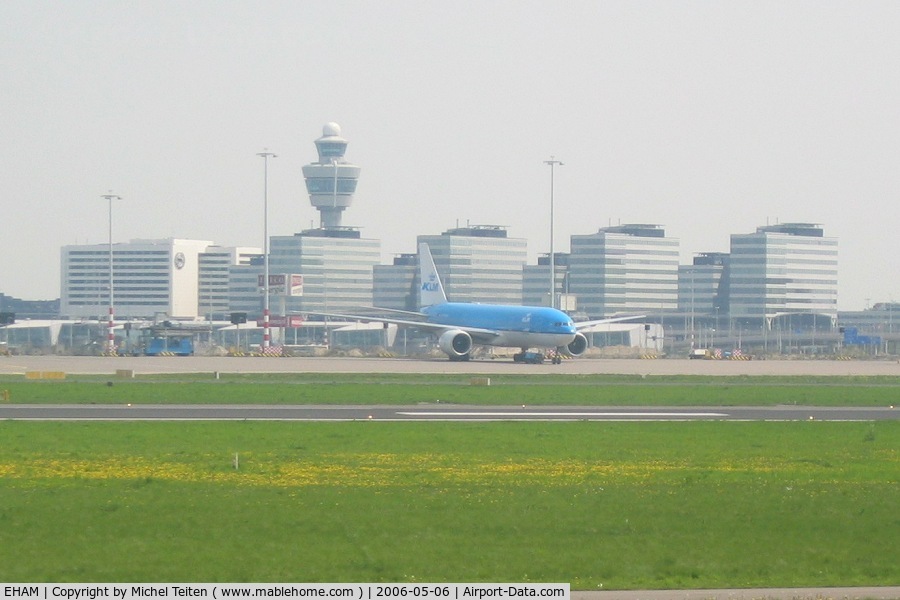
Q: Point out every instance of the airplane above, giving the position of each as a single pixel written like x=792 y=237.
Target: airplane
x=459 y=326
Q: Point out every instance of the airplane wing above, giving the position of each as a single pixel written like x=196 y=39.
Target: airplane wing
x=579 y=325
x=479 y=335
x=370 y=318
x=396 y=311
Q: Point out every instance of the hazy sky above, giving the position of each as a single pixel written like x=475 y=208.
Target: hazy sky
x=709 y=118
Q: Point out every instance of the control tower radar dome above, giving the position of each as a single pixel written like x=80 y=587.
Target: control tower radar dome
x=331 y=182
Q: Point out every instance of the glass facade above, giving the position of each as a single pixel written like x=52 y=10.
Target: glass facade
x=783 y=269
x=215 y=264
x=479 y=264
x=331 y=181
x=178 y=278
x=624 y=270
x=325 y=185
x=703 y=285
x=395 y=285
x=337 y=270
x=243 y=288
x=536 y=282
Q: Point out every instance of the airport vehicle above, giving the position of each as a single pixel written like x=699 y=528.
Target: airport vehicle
x=459 y=326
x=532 y=358
x=168 y=339
x=170 y=346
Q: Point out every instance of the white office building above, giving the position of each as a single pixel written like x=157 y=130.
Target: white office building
x=479 y=263
x=215 y=264
x=149 y=277
x=244 y=293
x=336 y=265
x=175 y=277
x=790 y=268
x=625 y=269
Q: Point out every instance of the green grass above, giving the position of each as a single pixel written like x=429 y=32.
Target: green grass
x=649 y=505
x=413 y=389
x=625 y=505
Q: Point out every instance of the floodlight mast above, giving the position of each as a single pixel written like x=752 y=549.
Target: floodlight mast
x=266 y=155
x=553 y=163
x=110 y=334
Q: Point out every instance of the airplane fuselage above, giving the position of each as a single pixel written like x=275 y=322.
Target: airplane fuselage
x=514 y=326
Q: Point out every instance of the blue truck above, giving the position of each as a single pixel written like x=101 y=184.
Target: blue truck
x=164 y=345
x=170 y=338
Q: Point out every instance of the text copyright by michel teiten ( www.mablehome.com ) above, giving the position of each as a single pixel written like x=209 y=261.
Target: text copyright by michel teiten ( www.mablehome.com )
x=366 y=591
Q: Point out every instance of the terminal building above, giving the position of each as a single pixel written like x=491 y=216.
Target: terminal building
x=703 y=285
x=624 y=269
x=244 y=293
x=536 y=283
x=335 y=264
x=476 y=263
x=479 y=263
x=785 y=269
x=396 y=286
x=214 y=291
x=781 y=275
x=149 y=277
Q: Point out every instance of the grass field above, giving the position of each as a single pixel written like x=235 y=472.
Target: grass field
x=625 y=505
x=594 y=390
x=617 y=505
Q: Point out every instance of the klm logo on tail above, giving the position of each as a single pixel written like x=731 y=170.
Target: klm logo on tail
x=432 y=285
x=431 y=292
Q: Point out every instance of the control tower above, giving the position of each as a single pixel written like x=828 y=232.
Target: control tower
x=331 y=181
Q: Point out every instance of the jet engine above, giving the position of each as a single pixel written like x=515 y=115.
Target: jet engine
x=576 y=347
x=456 y=343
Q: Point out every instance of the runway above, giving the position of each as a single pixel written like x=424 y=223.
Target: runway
x=582 y=366
x=437 y=412
x=433 y=412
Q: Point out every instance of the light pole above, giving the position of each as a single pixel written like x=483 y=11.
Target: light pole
x=552 y=162
x=265 y=154
x=110 y=335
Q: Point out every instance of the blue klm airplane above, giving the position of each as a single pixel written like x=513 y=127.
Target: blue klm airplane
x=459 y=326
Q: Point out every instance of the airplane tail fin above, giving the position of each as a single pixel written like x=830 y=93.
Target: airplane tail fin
x=431 y=290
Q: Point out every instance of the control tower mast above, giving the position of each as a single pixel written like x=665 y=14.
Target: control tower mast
x=331 y=182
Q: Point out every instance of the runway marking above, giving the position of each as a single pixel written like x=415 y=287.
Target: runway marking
x=667 y=415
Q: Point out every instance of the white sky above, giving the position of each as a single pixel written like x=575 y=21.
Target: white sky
x=710 y=118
